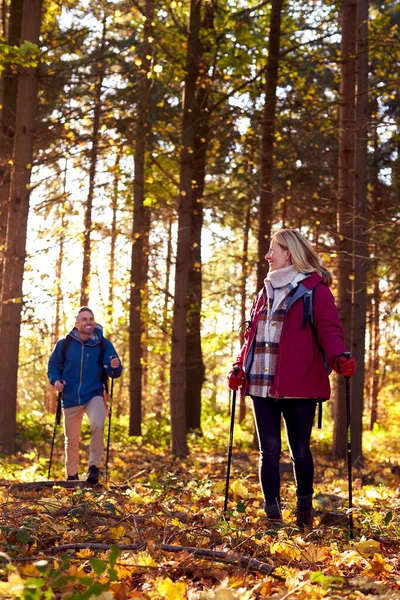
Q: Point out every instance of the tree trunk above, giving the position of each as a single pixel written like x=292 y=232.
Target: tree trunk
x=161 y=395
x=13 y=268
x=182 y=268
x=268 y=139
x=111 y=269
x=345 y=202
x=194 y=360
x=243 y=297
x=9 y=87
x=375 y=362
x=140 y=232
x=51 y=394
x=360 y=228
x=86 y=267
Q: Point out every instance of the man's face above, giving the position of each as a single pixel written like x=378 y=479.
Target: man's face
x=85 y=323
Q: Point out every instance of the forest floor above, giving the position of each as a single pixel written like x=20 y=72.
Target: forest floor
x=157 y=530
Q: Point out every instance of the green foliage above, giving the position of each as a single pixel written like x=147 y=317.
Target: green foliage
x=25 y=55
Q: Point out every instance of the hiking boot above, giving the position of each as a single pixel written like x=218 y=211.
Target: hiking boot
x=93 y=475
x=274 y=521
x=304 y=518
x=73 y=477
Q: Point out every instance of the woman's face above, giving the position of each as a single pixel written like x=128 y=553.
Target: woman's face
x=278 y=257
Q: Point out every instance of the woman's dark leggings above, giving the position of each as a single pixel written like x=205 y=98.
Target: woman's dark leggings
x=298 y=414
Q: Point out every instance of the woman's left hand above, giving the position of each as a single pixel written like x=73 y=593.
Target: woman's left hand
x=344 y=365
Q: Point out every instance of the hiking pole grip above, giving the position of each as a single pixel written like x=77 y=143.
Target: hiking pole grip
x=349 y=453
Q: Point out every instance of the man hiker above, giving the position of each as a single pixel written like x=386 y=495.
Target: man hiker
x=78 y=369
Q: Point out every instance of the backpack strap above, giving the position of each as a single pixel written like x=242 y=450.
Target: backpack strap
x=65 y=345
x=101 y=361
x=308 y=317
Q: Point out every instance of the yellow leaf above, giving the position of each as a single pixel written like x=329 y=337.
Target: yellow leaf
x=29 y=570
x=117 y=532
x=224 y=594
x=85 y=553
x=170 y=590
x=368 y=546
x=141 y=559
x=239 y=490
x=103 y=596
x=286 y=550
x=13 y=587
x=377 y=566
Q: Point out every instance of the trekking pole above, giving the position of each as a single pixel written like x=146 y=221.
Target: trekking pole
x=349 y=457
x=109 y=425
x=58 y=421
x=230 y=449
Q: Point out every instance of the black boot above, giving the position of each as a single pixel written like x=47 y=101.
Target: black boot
x=304 y=517
x=73 y=477
x=93 y=475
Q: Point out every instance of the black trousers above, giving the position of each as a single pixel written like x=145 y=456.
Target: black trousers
x=298 y=414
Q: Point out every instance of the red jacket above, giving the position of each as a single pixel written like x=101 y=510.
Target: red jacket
x=300 y=368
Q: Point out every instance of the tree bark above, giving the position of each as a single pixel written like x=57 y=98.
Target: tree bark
x=140 y=232
x=51 y=394
x=86 y=266
x=243 y=297
x=360 y=228
x=182 y=268
x=15 y=251
x=345 y=202
x=164 y=362
x=268 y=139
x=194 y=360
x=9 y=87
x=111 y=269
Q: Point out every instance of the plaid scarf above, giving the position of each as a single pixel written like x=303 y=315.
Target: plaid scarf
x=279 y=286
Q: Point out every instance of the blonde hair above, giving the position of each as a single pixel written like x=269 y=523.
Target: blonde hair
x=302 y=254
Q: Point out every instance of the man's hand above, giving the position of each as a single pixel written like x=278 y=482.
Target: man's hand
x=59 y=385
x=235 y=378
x=114 y=362
x=345 y=365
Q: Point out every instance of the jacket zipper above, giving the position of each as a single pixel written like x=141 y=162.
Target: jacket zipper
x=80 y=380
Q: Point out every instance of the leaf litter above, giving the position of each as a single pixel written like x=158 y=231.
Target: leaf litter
x=161 y=534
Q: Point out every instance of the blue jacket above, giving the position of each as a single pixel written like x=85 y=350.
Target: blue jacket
x=83 y=375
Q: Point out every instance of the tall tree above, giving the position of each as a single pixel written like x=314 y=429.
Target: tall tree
x=182 y=267
x=141 y=227
x=194 y=360
x=86 y=266
x=268 y=137
x=15 y=251
x=9 y=86
x=360 y=228
x=348 y=19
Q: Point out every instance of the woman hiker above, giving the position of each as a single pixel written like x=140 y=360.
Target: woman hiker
x=281 y=365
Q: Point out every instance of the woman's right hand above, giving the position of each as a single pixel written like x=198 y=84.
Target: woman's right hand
x=235 y=378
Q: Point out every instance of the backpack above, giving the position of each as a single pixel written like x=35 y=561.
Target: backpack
x=66 y=344
x=308 y=317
